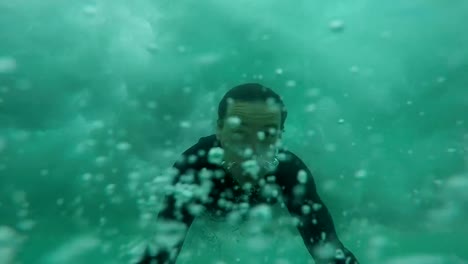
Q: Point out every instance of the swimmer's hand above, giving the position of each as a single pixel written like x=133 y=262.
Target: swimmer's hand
x=162 y=257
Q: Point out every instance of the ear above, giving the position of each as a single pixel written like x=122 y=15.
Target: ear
x=219 y=127
x=280 y=136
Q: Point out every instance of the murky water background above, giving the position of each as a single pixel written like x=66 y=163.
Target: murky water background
x=98 y=98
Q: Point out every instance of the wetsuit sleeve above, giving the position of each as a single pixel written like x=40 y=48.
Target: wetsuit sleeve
x=315 y=223
x=176 y=213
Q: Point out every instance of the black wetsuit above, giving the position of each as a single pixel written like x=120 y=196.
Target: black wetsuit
x=316 y=227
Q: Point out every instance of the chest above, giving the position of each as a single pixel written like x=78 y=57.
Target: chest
x=262 y=234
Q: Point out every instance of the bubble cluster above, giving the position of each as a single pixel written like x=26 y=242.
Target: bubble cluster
x=251 y=167
x=73 y=249
x=10 y=241
x=261 y=213
x=169 y=233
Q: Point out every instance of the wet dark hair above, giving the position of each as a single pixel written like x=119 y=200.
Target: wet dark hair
x=251 y=92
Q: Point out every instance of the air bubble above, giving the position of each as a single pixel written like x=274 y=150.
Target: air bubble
x=192 y=159
x=185 y=124
x=311 y=108
x=291 y=83
x=302 y=176
x=196 y=209
x=336 y=25
x=360 y=174
x=87 y=176
x=316 y=206
x=123 y=146
x=233 y=121
x=26 y=225
x=60 y=201
x=251 y=167
x=7 y=65
x=90 y=10
x=110 y=189
x=181 y=48
x=216 y=156
x=306 y=209
x=330 y=147
x=354 y=69
x=339 y=254
x=299 y=191
x=451 y=150
x=101 y=160
x=313 y=92
x=151 y=105
x=261 y=212
x=261 y=135
x=248 y=152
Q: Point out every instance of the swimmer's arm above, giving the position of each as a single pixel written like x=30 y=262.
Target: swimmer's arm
x=169 y=254
x=316 y=224
x=171 y=213
x=319 y=234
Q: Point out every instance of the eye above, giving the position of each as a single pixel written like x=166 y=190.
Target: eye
x=238 y=134
x=270 y=133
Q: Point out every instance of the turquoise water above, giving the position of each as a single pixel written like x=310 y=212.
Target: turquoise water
x=98 y=98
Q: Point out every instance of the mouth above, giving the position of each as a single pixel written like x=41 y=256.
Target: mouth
x=253 y=167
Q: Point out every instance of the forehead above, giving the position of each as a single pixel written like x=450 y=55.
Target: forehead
x=255 y=114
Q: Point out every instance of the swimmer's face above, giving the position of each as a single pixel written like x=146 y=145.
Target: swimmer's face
x=250 y=129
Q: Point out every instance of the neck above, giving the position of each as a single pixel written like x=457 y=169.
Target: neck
x=236 y=173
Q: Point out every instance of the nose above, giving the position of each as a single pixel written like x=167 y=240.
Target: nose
x=252 y=145
x=259 y=148
x=249 y=148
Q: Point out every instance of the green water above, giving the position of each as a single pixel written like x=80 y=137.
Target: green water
x=98 y=98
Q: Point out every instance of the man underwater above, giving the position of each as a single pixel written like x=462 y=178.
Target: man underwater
x=242 y=167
